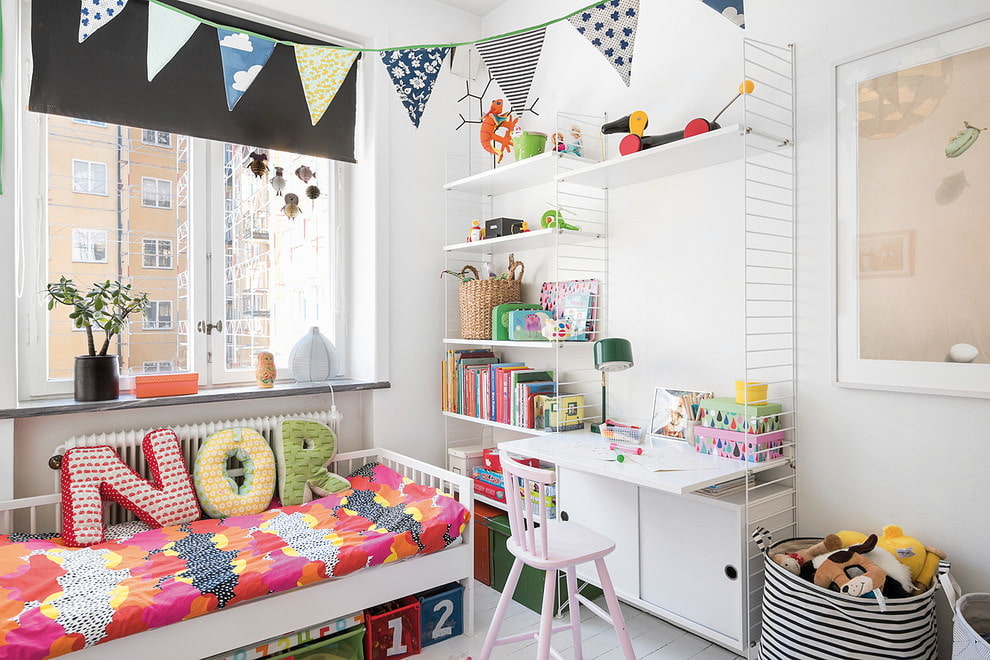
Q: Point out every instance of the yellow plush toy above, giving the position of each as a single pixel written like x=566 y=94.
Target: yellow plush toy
x=922 y=560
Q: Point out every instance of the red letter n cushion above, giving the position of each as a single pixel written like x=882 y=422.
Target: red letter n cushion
x=91 y=475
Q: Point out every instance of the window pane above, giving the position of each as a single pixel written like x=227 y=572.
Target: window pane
x=278 y=258
x=95 y=238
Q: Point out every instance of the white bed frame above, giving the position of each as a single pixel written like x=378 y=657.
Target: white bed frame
x=279 y=614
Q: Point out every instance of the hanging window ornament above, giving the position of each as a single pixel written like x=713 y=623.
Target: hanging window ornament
x=304 y=173
x=258 y=164
x=313 y=192
x=278 y=181
x=291 y=208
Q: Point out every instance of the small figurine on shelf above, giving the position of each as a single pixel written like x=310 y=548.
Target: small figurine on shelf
x=575 y=145
x=265 y=371
x=524 y=228
x=558 y=142
x=475 y=234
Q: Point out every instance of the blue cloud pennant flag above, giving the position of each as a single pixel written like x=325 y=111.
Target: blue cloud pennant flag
x=413 y=73
x=731 y=9
x=512 y=62
x=94 y=14
x=611 y=28
x=243 y=56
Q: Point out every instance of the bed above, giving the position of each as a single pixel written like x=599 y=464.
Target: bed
x=210 y=586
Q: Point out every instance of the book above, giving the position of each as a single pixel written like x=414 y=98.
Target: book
x=564 y=413
x=502 y=393
x=577 y=299
x=494 y=385
x=523 y=376
x=526 y=392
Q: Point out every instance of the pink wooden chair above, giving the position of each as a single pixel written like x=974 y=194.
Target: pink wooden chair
x=549 y=545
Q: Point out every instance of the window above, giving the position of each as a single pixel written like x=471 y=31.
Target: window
x=156 y=193
x=88 y=177
x=89 y=245
x=157 y=366
x=158 y=315
x=157 y=253
x=157 y=138
x=90 y=122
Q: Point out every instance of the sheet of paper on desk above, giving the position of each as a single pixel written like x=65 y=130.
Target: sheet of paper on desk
x=656 y=460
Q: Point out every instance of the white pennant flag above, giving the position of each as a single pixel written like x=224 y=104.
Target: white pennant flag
x=168 y=32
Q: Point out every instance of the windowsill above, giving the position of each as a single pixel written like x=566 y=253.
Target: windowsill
x=44 y=407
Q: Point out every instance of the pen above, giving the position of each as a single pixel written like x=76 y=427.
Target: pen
x=626 y=448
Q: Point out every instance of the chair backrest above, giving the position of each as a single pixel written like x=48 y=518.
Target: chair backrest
x=526 y=497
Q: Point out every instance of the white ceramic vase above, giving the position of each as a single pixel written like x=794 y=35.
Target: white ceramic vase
x=313 y=358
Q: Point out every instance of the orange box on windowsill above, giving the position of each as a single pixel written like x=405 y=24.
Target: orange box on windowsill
x=149 y=385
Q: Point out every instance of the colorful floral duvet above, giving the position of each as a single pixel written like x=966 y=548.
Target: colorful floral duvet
x=55 y=599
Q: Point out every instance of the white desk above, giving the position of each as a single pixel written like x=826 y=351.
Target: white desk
x=684 y=557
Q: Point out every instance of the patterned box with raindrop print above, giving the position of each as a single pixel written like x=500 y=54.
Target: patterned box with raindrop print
x=752 y=448
x=724 y=413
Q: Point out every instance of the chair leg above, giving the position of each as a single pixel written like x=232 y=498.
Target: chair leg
x=546 y=614
x=503 y=602
x=573 y=604
x=618 y=621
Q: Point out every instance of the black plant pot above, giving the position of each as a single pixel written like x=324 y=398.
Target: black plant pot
x=96 y=378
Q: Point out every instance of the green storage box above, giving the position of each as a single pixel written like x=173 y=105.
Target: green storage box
x=529 y=591
x=500 y=318
x=724 y=413
x=347 y=645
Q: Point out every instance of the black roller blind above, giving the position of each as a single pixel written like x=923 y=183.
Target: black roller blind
x=105 y=79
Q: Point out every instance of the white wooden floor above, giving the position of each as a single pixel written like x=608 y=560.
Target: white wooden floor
x=652 y=638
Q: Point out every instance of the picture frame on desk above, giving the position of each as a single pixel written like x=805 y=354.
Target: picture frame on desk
x=672 y=409
x=907 y=153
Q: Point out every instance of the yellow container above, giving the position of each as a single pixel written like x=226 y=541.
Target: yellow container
x=751 y=392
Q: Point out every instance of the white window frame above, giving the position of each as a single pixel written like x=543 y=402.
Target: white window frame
x=157 y=254
x=153 y=138
x=90 y=244
x=158 y=203
x=157 y=324
x=88 y=189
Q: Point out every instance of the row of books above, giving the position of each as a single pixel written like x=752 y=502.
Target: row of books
x=476 y=383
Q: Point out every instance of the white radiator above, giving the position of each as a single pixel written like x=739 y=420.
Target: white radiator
x=191 y=436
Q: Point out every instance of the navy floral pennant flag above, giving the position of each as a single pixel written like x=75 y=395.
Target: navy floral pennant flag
x=94 y=14
x=512 y=62
x=413 y=73
x=611 y=28
x=243 y=56
x=731 y=9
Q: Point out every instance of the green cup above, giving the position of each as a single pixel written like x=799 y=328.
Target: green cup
x=530 y=143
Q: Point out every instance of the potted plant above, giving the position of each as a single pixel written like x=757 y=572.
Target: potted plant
x=105 y=306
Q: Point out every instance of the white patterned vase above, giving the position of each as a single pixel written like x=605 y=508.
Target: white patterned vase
x=313 y=358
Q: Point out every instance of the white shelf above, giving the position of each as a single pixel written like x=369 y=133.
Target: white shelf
x=719 y=146
x=513 y=176
x=531 y=240
x=498 y=425
x=550 y=345
x=478 y=497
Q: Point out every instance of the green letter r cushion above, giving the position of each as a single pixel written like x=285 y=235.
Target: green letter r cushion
x=304 y=448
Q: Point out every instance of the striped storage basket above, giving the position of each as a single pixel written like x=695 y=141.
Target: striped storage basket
x=804 y=621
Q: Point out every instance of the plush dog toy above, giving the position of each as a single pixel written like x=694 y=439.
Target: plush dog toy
x=850 y=572
x=793 y=561
x=920 y=560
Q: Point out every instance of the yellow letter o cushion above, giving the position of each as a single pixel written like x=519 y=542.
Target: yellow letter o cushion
x=218 y=492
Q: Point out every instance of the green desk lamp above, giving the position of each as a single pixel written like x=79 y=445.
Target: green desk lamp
x=611 y=354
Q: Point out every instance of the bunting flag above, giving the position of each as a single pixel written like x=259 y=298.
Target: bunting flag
x=94 y=14
x=322 y=70
x=611 y=28
x=731 y=9
x=168 y=32
x=413 y=73
x=512 y=62
x=243 y=56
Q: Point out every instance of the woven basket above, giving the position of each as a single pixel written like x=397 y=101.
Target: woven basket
x=477 y=298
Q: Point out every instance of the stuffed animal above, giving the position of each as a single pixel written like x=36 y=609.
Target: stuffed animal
x=793 y=561
x=898 y=583
x=921 y=560
x=850 y=572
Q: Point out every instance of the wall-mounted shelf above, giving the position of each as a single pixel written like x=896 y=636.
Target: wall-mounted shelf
x=497 y=425
x=539 y=239
x=547 y=345
x=513 y=176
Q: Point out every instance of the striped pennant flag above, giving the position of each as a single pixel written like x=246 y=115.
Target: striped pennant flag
x=413 y=73
x=611 y=28
x=94 y=14
x=168 y=32
x=322 y=70
x=512 y=62
x=731 y=9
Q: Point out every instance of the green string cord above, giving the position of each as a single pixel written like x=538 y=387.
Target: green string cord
x=383 y=50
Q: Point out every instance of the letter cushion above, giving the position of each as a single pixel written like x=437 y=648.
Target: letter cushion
x=304 y=448
x=90 y=475
x=219 y=494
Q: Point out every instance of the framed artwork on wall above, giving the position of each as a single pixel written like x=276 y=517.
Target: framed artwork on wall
x=913 y=275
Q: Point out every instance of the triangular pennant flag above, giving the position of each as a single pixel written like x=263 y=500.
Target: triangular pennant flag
x=94 y=14
x=322 y=70
x=512 y=62
x=168 y=32
x=731 y=9
x=243 y=56
x=413 y=73
x=611 y=28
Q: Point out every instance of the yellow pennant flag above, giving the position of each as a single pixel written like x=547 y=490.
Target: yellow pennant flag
x=322 y=70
